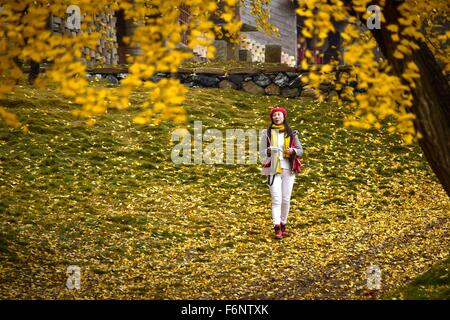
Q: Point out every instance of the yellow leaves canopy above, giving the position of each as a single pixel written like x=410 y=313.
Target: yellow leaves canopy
x=381 y=94
x=24 y=36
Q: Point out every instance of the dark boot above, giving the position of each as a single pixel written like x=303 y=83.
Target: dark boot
x=284 y=233
x=277 y=232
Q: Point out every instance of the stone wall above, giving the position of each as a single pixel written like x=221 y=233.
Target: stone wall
x=106 y=51
x=277 y=80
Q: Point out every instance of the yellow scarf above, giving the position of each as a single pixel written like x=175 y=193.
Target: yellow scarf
x=274 y=135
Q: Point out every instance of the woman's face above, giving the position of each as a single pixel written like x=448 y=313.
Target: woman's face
x=278 y=117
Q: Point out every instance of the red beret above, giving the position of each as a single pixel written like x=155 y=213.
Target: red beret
x=278 y=109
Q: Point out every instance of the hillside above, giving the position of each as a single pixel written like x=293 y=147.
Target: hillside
x=108 y=199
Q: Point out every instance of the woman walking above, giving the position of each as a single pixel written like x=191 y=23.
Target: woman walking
x=279 y=146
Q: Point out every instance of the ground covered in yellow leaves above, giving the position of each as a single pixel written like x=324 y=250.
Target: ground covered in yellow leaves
x=108 y=199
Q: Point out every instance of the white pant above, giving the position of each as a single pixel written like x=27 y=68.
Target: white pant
x=280 y=191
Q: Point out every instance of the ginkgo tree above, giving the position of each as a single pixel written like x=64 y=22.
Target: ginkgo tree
x=407 y=90
x=25 y=36
x=409 y=85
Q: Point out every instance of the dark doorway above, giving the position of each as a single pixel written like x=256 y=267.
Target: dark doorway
x=121 y=31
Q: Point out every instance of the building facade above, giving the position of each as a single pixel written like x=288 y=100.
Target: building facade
x=114 y=51
x=282 y=16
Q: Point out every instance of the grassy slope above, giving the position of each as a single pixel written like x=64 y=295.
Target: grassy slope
x=107 y=198
x=433 y=284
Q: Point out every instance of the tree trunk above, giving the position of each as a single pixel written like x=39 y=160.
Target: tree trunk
x=431 y=97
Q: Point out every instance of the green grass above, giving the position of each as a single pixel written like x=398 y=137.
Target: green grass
x=431 y=285
x=108 y=198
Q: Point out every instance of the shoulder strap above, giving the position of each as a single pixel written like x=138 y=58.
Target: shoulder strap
x=268 y=144
x=268 y=180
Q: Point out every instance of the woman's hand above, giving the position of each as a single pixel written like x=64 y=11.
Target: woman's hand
x=288 y=151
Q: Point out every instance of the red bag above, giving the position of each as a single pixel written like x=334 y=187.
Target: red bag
x=296 y=163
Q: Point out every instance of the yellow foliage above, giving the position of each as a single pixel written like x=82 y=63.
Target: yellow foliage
x=10 y=118
x=90 y=121
x=24 y=35
x=378 y=100
x=392 y=27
